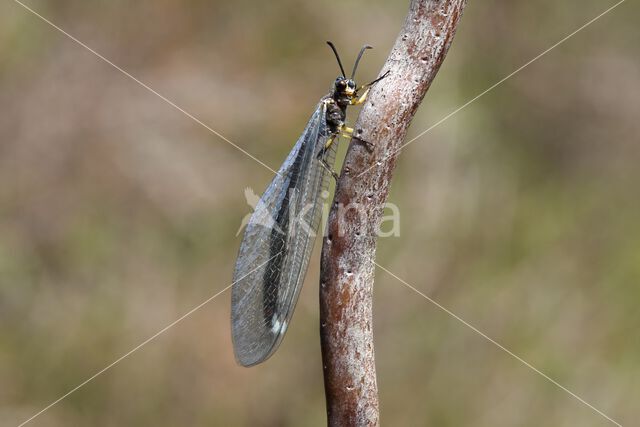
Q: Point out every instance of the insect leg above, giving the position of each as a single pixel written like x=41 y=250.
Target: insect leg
x=361 y=99
x=367 y=86
x=333 y=173
x=347 y=132
x=321 y=157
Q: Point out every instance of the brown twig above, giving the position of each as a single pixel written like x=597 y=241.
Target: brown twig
x=348 y=252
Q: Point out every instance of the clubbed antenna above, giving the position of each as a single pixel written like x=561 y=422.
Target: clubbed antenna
x=338 y=58
x=355 y=66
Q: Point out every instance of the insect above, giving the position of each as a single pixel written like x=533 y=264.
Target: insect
x=278 y=239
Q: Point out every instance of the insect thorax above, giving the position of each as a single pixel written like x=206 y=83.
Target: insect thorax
x=336 y=114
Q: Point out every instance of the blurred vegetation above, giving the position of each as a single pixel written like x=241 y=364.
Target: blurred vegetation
x=118 y=214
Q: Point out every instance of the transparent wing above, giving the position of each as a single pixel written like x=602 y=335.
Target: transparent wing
x=275 y=250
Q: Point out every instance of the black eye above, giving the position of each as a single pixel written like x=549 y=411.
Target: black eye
x=352 y=84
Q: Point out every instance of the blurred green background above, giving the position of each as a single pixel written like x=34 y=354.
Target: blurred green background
x=118 y=214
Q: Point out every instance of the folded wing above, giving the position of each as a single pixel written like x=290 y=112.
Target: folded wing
x=276 y=247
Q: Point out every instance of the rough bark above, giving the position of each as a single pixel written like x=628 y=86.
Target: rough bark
x=348 y=252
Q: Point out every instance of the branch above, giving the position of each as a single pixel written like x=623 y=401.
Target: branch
x=348 y=252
